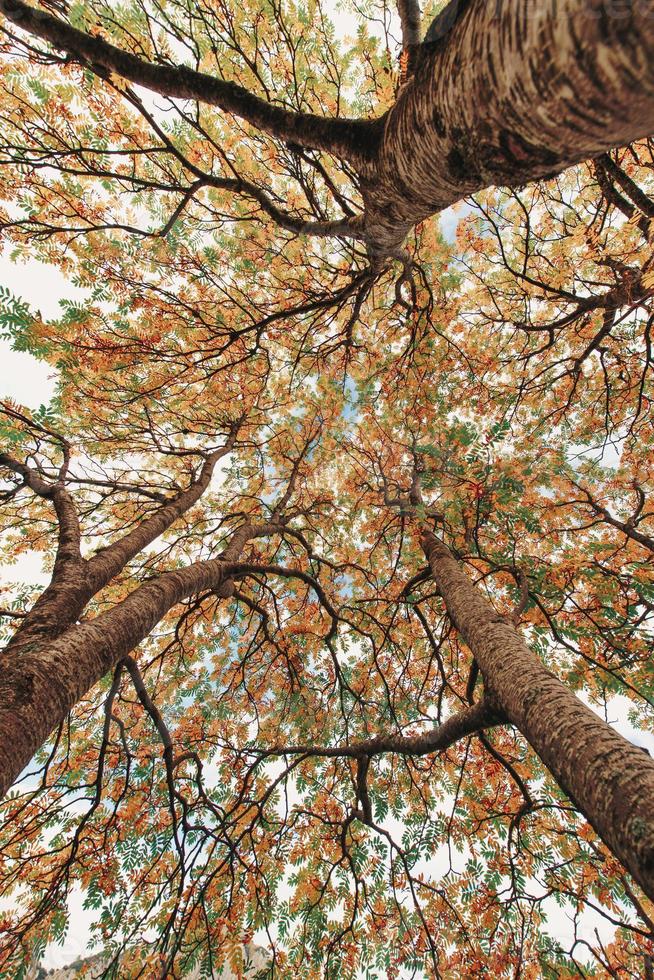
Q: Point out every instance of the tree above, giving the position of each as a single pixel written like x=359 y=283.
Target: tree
x=338 y=513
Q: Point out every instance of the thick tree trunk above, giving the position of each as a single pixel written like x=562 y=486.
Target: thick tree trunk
x=609 y=780
x=43 y=681
x=516 y=90
x=40 y=685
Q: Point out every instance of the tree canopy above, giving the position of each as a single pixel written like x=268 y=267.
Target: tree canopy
x=347 y=522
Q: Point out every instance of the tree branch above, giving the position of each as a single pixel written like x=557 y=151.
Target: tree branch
x=626 y=527
x=104 y=564
x=469 y=721
x=69 y=536
x=409 y=11
x=348 y=138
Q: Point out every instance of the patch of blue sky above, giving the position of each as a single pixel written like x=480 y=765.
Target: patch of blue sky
x=350 y=410
x=345 y=585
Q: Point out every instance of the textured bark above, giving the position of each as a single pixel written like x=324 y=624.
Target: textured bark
x=515 y=90
x=42 y=681
x=609 y=780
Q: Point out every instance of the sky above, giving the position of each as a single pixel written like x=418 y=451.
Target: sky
x=22 y=377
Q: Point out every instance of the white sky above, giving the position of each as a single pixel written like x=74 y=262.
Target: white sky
x=22 y=377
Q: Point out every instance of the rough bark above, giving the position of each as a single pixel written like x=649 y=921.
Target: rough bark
x=513 y=92
x=503 y=92
x=609 y=780
x=40 y=685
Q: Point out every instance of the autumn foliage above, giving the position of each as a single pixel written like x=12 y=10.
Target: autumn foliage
x=278 y=729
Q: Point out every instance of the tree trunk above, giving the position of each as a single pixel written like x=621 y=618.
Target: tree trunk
x=43 y=681
x=608 y=779
x=516 y=90
x=40 y=685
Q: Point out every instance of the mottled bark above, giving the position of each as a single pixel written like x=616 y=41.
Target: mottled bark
x=609 y=780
